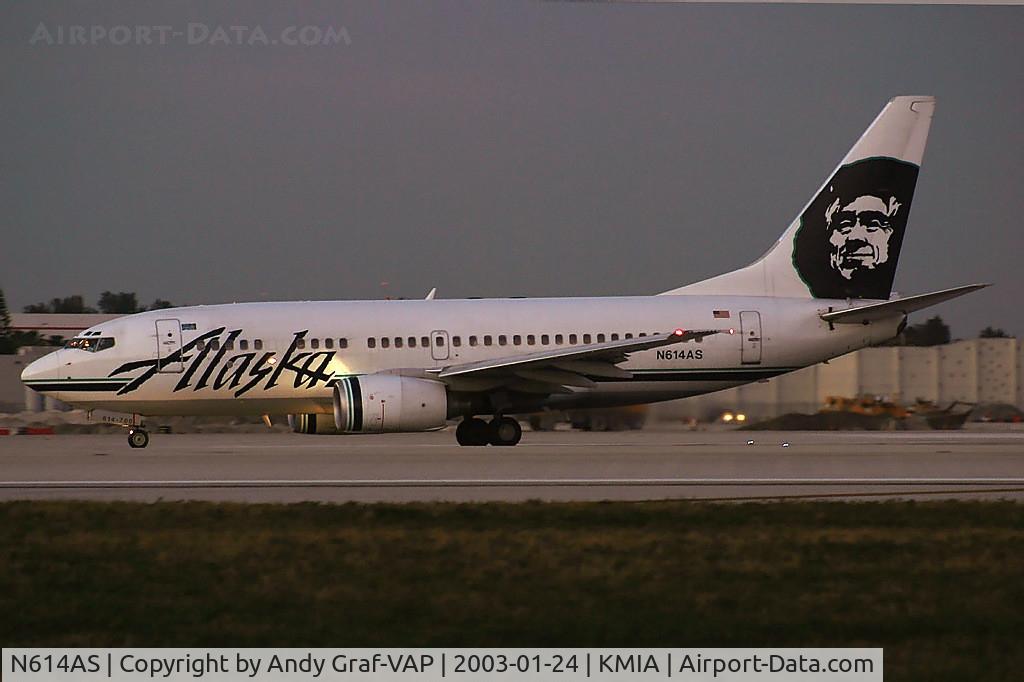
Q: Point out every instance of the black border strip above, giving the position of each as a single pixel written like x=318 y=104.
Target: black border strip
x=78 y=387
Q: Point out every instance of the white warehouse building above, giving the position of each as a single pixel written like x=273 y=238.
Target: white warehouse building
x=973 y=371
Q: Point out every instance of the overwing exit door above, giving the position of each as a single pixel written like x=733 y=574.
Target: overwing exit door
x=168 y=346
x=750 y=330
x=439 y=344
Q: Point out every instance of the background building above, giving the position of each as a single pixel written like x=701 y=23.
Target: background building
x=975 y=371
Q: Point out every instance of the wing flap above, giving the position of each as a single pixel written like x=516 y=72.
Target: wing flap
x=593 y=368
x=555 y=376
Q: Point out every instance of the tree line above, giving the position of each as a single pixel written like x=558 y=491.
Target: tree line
x=110 y=303
x=935 y=332
x=121 y=303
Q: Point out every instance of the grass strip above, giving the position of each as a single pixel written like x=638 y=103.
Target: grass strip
x=940 y=585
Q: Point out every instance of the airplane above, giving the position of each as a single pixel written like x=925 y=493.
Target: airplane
x=355 y=367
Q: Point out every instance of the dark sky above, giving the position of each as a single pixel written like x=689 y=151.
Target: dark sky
x=491 y=149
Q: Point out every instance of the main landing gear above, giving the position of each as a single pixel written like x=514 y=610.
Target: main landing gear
x=501 y=431
x=138 y=437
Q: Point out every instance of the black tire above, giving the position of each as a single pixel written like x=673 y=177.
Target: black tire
x=472 y=432
x=505 y=431
x=138 y=438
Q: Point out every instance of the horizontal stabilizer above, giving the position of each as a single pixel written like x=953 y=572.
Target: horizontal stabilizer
x=900 y=306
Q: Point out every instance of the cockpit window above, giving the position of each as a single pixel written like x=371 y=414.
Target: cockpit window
x=92 y=345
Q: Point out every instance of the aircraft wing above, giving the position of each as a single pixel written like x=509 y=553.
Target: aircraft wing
x=901 y=306
x=549 y=371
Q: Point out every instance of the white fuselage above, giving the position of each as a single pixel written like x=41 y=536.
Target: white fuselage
x=303 y=347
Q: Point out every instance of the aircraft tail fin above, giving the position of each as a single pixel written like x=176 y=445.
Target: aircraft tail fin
x=846 y=242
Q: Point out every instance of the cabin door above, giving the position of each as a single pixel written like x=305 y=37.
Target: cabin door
x=750 y=330
x=168 y=346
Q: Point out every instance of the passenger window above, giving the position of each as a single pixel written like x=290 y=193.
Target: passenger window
x=545 y=339
x=398 y=342
x=385 y=342
x=456 y=341
x=438 y=340
x=425 y=341
x=472 y=340
x=600 y=338
x=517 y=340
x=314 y=344
x=615 y=337
x=643 y=333
x=200 y=344
x=558 y=339
x=572 y=339
x=258 y=344
x=328 y=343
x=343 y=343
x=243 y=345
x=300 y=344
x=487 y=340
x=215 y=344
x=531 y=339
x=371 y=342
x=628 y=336
x=230 y=345
x=412 y=342
x=502 y=340
x=586 y=338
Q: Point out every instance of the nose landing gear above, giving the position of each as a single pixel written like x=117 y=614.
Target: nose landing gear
x=500 y=431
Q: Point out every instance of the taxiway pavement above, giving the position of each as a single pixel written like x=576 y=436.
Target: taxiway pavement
x=637 y=465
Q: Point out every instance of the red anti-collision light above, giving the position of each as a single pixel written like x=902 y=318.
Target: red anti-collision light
x=679 y=332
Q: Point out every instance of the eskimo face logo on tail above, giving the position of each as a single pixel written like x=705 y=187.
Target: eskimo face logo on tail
x=850 y=236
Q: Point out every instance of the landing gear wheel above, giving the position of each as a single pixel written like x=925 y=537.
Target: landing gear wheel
x=505 y=431
x=138 y=438
x=472 y=431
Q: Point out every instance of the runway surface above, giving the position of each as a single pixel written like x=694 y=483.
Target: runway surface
x=636 y=465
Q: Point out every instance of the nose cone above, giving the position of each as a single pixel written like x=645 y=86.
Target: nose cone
x=41 y=372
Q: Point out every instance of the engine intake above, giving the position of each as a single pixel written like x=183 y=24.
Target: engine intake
x=386 y=403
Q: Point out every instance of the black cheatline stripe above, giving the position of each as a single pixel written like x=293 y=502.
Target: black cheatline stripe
x=748 y=375
x=29 y=382
x=82 y=386
x=357 y=405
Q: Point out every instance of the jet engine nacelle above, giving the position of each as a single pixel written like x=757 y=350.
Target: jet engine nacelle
x=312 y=423
x=378 y=403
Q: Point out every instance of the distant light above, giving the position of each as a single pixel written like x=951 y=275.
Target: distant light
x=750 y=442
x=741 y=417
x=731 y=330
x=727 y=417
x=679 y=332
x=785 y=445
